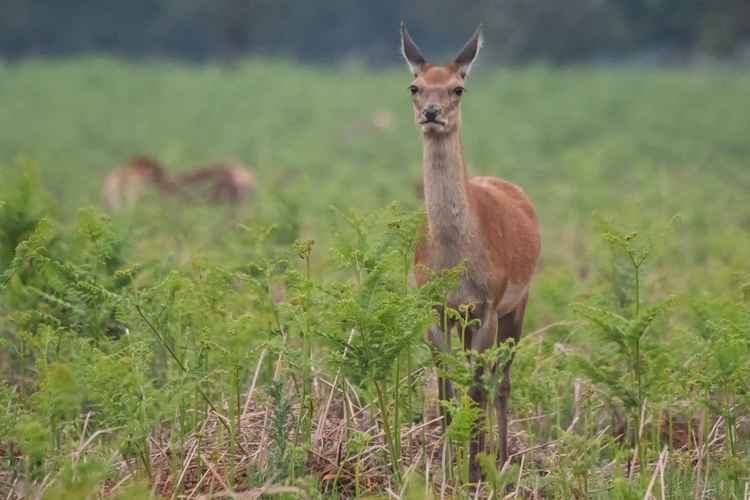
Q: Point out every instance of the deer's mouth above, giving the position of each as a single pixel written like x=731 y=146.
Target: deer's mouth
x=434 y=121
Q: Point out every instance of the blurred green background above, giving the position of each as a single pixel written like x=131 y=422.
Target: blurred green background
x=645 y=145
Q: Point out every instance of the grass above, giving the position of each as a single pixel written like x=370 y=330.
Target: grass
x=185 y=351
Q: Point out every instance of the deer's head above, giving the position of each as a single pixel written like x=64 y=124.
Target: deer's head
x=437 y=90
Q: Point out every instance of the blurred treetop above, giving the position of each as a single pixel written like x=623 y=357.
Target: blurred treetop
x=332 y=30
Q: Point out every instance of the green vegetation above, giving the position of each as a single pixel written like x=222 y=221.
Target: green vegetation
x=277 y=349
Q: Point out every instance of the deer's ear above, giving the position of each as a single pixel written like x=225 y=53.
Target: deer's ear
x=465 y=59
x=412 y=55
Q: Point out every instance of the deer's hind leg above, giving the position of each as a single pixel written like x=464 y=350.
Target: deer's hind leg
x=510 y=327
x=441 y=345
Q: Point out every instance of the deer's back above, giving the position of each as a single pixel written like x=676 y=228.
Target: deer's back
x=508 y=224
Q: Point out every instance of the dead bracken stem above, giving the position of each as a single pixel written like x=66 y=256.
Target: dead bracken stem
x=658 y=471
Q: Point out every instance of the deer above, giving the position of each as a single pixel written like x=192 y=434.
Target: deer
x=485 y=224
x=125 y=185
x=220 y=182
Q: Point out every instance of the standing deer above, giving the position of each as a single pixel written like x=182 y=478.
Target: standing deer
x=485 y=223
x=125 y=185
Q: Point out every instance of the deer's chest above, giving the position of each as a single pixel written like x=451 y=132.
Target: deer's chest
x=446 y=253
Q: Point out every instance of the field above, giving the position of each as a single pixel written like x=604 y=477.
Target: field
x=277 y=350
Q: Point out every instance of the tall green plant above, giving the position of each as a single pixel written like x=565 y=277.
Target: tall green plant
x=722 y=372
x=628 y=368
x=387 y=317
x=23 y=203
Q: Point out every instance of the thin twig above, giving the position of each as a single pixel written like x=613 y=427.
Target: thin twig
x=549 y=327
x=324 y=414
x=477 y=490
x=249 y=396
x=659 y=464
x=186 y=465
x=77 y=453
x=636 y=452
x=120 y=483
x=85 y=428
x=662 y=482
x=520 y=474
x=216 y=475
x=12 y=489
x=391 y=493
x=533 y=448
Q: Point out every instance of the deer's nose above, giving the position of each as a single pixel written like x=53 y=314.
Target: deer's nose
x=430 y=112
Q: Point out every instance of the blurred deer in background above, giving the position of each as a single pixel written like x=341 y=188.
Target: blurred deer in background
x=220 y=182
x=484 y=223
x=216 y=183
x=125 y=185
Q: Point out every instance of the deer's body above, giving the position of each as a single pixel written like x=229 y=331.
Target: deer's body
x=486 y=224
x=125 y=185
x=222 y=182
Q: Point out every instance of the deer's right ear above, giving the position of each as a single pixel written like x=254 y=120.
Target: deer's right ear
x=469 y=53
x=412 y=55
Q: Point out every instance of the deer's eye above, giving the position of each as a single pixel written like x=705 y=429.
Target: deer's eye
x=413 y=89
x=459 y=91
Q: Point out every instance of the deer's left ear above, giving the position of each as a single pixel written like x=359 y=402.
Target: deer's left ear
x=465 y=59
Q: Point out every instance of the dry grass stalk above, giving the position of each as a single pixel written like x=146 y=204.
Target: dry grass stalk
x=658 y=470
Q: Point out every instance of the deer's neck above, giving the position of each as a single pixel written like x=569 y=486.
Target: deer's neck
x=445 y=193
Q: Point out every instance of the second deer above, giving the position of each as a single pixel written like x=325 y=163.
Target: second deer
x=227 y=182
x=220 y=182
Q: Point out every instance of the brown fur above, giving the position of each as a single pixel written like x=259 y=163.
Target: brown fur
x=485 y=223
x=221 y=182
x=125 y=185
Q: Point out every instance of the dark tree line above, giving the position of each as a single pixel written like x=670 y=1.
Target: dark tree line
x=520 y=30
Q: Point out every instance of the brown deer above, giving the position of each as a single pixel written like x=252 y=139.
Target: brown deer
x=485 y=223
x=125 y=185
x=220 y=182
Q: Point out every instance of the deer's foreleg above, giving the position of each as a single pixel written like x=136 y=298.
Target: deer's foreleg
x=482 y=337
